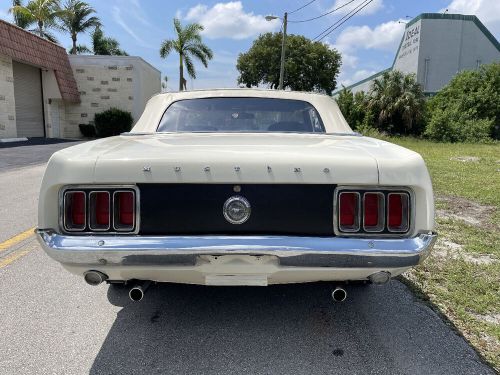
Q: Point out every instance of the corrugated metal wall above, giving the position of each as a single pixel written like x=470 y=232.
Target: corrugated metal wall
x=28 y=98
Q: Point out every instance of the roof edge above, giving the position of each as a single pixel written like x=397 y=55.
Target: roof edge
x=369 y=78
x=459 y=17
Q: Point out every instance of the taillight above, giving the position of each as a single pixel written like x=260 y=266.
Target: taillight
x=74 y=211
x=104 y=209
x=373 y=212
x=99 y=210
x=349 y=211
x=124 y=202
x=398 y=212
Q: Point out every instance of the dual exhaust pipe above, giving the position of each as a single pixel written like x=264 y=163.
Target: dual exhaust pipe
x=136 y=293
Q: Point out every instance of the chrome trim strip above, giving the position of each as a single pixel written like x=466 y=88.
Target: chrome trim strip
x=290 y=250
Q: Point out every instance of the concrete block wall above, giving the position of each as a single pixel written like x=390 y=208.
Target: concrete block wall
x=7 y=101
x=101 y=87
x=123 y=82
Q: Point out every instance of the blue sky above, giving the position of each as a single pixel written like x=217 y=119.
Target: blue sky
x=368 y=41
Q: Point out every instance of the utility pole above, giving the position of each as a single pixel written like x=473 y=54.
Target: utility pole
x=283 y=52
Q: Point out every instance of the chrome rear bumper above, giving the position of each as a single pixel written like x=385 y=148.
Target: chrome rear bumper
x=291 y=251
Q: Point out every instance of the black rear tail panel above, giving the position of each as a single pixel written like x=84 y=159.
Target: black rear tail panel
x=282 y=209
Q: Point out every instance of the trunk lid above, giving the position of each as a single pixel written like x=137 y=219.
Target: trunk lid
x=237 y=158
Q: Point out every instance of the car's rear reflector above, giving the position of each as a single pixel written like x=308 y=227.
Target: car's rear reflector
x=349 y=211
x=74 y=211
x=373 y=212
x=398 y=212
x=124 y=202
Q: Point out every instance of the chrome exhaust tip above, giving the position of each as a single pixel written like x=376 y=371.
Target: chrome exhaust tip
x=380 y=278
x=339 y=294
x=137 y=292
x=94 y=278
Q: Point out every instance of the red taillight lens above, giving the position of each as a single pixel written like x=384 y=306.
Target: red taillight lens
x=124 y=210
x=398 y=212
x=349 y=212
x=102 y=209
x=74 y=210
x=126 y=216
x=99 y=210
x=373 y=212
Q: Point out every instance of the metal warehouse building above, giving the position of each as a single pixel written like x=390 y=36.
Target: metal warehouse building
x=437 y=46
x=44 y=92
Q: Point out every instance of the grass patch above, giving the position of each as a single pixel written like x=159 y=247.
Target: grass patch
x=462 y=275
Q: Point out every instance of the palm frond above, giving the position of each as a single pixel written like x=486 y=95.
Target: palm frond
x=198 y=53
x=190 y=66
x=166 y=48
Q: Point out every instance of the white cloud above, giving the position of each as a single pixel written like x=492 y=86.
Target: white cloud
x=229 y=20
x=371 y=8
x=348 y=60
x=488 y=11
x=385 y=36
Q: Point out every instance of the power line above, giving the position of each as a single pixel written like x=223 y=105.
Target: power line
x=324 y=14
x=348 y=18
x=302 y=7
x=342 y=20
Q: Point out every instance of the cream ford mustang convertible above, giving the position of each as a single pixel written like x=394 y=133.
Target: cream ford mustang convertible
x=237 y=187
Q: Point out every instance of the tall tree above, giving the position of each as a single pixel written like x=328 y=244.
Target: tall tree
x=102 y=45
x=309 y=66
x=77 y=18
x=399 y=101
x=19 y=19
x=43 y=13
x=188 y=44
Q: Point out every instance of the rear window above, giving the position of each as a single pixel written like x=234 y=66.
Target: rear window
x=241 y=115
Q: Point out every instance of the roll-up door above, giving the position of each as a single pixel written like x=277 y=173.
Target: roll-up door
x=28 y=98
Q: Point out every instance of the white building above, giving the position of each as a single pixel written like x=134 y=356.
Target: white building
x=44 y=92
x=437 y=46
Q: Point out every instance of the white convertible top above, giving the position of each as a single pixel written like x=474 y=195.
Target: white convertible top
x=326 y=106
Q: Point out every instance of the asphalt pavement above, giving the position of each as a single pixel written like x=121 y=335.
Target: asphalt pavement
x=51 y=322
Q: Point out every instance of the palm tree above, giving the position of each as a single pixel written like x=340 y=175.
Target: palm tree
x=399 y=100
x=102 y=45
x=76 y=19
x=188 y=44
x=19 y=19
x=43 y=13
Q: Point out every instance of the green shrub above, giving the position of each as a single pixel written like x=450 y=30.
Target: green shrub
x=113 y=121
x=446 y=126
x=88 y=130
x=467 y=110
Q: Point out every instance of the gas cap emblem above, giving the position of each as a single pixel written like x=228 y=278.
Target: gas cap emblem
x=236 y=210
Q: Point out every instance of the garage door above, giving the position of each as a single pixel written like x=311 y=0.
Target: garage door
x=28 y=98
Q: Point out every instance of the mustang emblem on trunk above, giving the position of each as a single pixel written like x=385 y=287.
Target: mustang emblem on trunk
x=236 y=209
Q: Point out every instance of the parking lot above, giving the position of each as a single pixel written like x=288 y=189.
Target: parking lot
x=52 y=322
